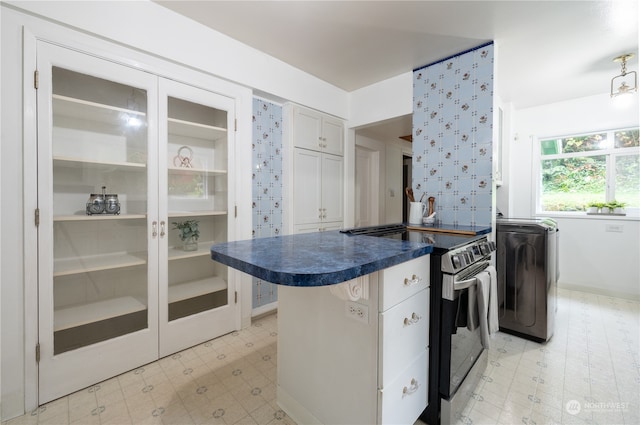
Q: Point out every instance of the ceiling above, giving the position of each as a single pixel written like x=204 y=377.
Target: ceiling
x=547 y=51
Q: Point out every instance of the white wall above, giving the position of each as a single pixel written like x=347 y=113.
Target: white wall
x=591 y=258
x=383 y=100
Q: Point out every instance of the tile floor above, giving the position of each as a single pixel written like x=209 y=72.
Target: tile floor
x=589 y=373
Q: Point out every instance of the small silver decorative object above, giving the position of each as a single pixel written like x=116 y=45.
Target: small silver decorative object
x=103 y=203
x=112 y=206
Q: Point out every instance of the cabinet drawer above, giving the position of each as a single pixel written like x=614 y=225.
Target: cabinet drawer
x=405 y=398
x=404 y=280
x=404 y=334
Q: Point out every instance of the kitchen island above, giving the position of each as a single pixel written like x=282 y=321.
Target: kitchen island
x=353 y=323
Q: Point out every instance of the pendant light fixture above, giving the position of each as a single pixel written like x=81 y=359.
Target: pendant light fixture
x=626 y=82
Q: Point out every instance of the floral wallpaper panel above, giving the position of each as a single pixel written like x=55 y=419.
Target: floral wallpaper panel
x=452 y=136
x=267 y=185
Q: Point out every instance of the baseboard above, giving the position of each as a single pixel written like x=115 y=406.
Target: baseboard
x=295 y=410
x=264 y=310
x=598 y=291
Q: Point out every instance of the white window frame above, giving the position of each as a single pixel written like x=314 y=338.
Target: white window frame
x=611 y=153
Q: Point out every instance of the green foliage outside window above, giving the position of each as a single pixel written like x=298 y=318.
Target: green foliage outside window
x=588 y=143
x=574 y=170
x=627 y=139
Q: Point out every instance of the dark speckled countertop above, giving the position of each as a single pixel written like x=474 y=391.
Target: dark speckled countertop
x=316 y=259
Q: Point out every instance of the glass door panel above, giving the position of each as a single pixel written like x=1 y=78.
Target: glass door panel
x=195 y=152
x=99 y=147
x=97 y=258
x=197 y=206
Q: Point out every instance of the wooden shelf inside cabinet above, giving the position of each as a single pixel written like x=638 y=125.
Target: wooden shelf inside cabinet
x=95 y=263
x=195 y=213
x=192 y=289
x=74 y=316
x=195 y=171
x=91 y=111
x=177 y=253
x=95 y=217
x=194 y=129
x=68 y=162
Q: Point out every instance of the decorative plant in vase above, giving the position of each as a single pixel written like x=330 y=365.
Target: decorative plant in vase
x=594 y=207
x=616 y=207
x=189 y=234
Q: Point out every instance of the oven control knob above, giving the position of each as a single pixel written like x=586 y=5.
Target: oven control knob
x=484 y=248
x=470 y=254
x=455 y=259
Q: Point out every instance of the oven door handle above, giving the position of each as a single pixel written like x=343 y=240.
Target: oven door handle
x=464 y=284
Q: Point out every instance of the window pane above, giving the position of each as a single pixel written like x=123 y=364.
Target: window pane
x=549 y=147
x=627 y=139
x=628 y=179
x=587 y=143
x=568 y=184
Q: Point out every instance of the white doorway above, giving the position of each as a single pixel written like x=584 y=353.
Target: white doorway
x=367 y=187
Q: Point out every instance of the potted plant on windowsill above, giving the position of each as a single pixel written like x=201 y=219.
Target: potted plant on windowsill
x=594 y=207
x=189 y=234
x=616 y=207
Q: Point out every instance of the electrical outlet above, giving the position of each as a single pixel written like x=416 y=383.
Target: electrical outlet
x=618 y=228
x=357 y=311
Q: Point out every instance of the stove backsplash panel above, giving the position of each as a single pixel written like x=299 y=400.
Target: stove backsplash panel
x=453 y=136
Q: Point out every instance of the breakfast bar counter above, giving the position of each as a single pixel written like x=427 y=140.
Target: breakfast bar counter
x=316 y=259
x=353 y=323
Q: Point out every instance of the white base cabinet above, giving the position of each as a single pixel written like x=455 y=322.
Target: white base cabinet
x=335 y=367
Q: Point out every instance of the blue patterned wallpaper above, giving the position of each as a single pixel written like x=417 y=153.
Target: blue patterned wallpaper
x=267 y=185
x=452 y=136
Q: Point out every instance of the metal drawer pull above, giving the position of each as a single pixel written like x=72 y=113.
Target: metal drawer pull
x=162 y=232
x=414 y=319
x=154 y=229
x=412 y=389
x=414 y=280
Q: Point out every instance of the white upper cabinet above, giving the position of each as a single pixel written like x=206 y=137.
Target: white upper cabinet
x=316 y=165
x=318 y=132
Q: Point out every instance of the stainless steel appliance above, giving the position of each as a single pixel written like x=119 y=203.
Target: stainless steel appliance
x=456 y=356
x=527 y=266
x=463 y=358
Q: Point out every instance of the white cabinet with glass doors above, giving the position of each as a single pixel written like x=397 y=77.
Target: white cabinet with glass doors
x=122 y=155
x=195 y=300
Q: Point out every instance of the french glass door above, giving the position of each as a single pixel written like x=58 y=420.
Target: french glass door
x=97 y=237
x=134 y=178
x=196 y=153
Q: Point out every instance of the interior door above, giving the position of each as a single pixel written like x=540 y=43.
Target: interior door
x=307 y=167
x=197 y=296
x=332 y=188
x=367 y=185
x=97 y=253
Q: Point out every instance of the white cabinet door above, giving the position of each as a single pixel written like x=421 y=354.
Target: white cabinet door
x=196 y=159
x=316 y=131
x=307 y=129
x=97 y=257
x=404 y=399
x=404 y=332
x=332 y=135
x=332 y=188
x=307 y=180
